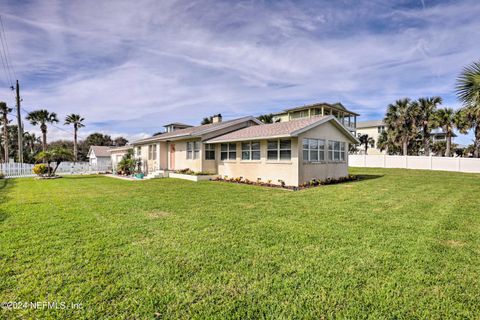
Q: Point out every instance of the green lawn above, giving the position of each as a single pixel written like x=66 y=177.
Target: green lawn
x=397 y=244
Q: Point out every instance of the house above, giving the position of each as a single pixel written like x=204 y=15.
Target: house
x=374 y=128
x=99 y=157
x=291 y=152
x=346 y=117
x=116 y=154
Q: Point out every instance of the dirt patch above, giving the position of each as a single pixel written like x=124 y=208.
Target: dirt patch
x=158 y=214
x=454 y=243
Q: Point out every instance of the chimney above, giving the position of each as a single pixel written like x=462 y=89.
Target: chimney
x=217 y=118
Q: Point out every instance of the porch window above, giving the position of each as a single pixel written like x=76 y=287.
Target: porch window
x=336 y=151
x=280 y=149
x=313 y=150
x=196 y=150
x=228 y=151
x=209 y=152
x=193 y=149
x=152 y=152
x=251 y=150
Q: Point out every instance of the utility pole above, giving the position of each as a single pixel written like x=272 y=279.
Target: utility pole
x=20 y=127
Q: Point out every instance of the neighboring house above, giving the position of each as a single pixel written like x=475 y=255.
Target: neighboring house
x=346 y=117
x=292 y=152
x=99 y=157
x=116 y=154
x=375 y=127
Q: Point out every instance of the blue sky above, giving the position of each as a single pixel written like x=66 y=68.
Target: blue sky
x=131 y=66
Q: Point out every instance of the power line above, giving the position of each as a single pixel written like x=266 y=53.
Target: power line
x=6 y=44
x=6 y=53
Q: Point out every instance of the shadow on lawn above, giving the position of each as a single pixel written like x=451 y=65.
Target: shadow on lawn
x=5 y=185
x=363 y=177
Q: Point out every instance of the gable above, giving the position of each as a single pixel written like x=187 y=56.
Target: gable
x=330 y=130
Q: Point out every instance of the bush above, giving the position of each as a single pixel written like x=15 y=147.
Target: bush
x=2 y=176
x=40 y=169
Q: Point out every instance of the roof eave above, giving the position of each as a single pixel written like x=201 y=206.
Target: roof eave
x=249 y=138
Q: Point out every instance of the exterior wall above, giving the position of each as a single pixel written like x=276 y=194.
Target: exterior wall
x=324 y=169
x=373 y=133
x=115 y=157
x=263 y=168
x=181 y=161
x=100 y=162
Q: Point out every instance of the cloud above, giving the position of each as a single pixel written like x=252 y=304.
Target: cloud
x=130 y=67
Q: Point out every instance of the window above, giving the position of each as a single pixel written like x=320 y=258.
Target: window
x=139 y=151
x=313 y=150
x=381 y=129
x=193 y=150
x=299 y=114
x=209 y=152
x=228 y=151
x=196 y=150
x=152 y=152
x=279 y=150
x=251 y=150
x=336 y=151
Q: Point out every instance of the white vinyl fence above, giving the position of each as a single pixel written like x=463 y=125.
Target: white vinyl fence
x=15 y=170
x=415 y=162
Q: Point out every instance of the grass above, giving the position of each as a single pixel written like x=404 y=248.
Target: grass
x=397 y=244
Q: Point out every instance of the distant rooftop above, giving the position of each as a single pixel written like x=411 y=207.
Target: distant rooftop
x=336 y=105
x=178 y=124
x=370 y=124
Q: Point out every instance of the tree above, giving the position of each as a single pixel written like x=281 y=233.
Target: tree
x=401 y=121
x=468 y=92
x=42 y=117
x=120 y=142
x=4 y=111
x=207 y=120
x=98 y=139
x=77 y=121
x=56 y=155
x=426 y=118
x=128 y=163
x=448 y=120
x=33 y=145
x=266 y=118
x=366 y=141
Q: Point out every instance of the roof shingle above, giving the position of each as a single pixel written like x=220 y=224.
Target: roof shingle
x=272 y=130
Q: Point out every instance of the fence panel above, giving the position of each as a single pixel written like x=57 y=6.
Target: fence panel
x=17 y=170
x=415 y=162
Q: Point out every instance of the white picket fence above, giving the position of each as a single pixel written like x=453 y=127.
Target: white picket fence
x=16 y=170
x=471 y=165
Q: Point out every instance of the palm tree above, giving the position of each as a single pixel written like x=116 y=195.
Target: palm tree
x=468 y=92
x=30 y=140
x=426 y=118
x=76 y=120
x=42 y=117
x=401 y=121
x=4 y=110
x=266 y=118
x=448 y=120
x=366 y=141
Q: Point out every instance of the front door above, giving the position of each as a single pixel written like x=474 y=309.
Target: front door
x=172 y=156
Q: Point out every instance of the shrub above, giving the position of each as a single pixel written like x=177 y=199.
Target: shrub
x=40 y=169
x=2 y=176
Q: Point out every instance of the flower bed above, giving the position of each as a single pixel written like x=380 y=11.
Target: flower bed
x=192 y=177
x=193 y=173
x=311 y=184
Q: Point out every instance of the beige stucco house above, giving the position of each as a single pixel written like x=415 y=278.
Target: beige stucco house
x=374 y=128
x=291 y=152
